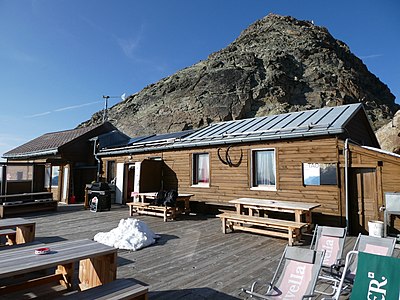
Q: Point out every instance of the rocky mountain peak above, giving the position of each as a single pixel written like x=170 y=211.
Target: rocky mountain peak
x=389 y=135
x=276 y=65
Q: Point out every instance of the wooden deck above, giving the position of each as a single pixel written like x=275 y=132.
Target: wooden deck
x=193 y=259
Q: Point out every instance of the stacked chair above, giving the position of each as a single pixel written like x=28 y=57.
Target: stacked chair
x=368 y=271
x=346 y=273
x=295 y=277
x=377 y=276
x=331 y=240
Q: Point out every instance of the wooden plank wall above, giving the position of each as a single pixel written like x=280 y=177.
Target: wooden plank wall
x=227 y=183
x=387 y=173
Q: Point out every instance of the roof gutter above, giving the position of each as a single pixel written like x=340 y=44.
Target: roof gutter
x=346 y=180
x=95 y=154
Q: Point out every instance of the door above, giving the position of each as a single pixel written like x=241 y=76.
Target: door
x=55 y=182
x=119 y=183
x=363 y=199
x=65 y=184
x=129 y=182
x=136 y=181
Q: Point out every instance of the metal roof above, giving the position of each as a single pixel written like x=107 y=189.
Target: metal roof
x=50 y=143
x=166 y=136
x=323 y=121
x=138 y=139
x=112 y=138
x=317 y=122
x=149 y=141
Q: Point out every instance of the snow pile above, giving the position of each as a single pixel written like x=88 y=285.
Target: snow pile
x=131 y=234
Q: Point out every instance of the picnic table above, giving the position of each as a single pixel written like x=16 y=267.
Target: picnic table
x=145 y=208
x=97 y=265
x=245 y=219
x=24 y=229
x=296 y=208
x=26 y=202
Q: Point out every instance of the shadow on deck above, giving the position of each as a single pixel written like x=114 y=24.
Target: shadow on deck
x=193 y=259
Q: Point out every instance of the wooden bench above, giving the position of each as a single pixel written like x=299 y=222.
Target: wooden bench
x=24 y=229
x=126 y=289
x=273 y=227
x=153 y=210
x=31 y=245
x=20 y=207
x=9 y=234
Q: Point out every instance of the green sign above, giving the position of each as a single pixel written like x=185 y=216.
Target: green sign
x=377 y=278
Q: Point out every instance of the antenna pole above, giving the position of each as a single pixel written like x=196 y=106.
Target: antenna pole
x=105 y=110
x=105 y=107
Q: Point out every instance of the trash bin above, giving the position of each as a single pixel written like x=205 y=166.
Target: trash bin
x=99 y=197
x=375 y=228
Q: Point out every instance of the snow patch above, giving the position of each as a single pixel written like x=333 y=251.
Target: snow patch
x=131 y=234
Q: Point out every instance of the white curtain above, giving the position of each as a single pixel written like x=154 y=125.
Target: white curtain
x=203 y=168
x=264 y=168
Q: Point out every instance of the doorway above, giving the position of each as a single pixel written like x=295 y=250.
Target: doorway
x=363 y=199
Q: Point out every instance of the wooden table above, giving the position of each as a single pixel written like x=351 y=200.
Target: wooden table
x=292 y=230
x=142 y=207
x=296 y=208
x=24 y=229
x=97 y=264
x=181 y=197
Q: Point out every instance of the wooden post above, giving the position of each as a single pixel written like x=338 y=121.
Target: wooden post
x=223 y=224
x=97 y=270
x=25 y=234
x=290 y=232
x=67 y=272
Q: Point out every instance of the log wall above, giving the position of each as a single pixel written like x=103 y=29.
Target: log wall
x=227 y=183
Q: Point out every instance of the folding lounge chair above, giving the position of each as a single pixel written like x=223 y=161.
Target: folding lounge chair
x=295 y=277
x=331 y=240
x=376 y=278
x=365 y=244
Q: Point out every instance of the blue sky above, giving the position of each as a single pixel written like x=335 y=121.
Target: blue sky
x=59 y=57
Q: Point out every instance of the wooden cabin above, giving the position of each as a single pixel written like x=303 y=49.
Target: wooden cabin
x=62 y=162
x=312 y=156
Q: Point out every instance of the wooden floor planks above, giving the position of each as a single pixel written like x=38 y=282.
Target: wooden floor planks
x=192 y=259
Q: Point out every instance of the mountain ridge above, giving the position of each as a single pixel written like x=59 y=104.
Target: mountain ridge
x=278 y=64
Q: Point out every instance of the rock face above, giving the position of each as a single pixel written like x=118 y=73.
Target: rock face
x=389 y=135
x=278 y=64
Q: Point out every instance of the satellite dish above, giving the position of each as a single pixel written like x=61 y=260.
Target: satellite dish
x=123 y=96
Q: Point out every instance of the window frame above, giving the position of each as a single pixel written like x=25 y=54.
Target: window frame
x=252 y=170
x=195 y=176
x=58 y=172
x=113 y=170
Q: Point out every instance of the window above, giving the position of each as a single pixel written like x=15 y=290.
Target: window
x=319 y=174
x=263 y=169
x=111 y=171
x=19 y=173
x=47 y=177
x=55 y=170
x=201 y=169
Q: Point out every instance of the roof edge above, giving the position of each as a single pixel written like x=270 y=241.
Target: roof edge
x=53 y=151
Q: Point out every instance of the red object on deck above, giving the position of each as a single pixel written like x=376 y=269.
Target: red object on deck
x=72 y=199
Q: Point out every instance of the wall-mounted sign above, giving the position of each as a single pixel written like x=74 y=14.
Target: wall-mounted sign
x=319 y=174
